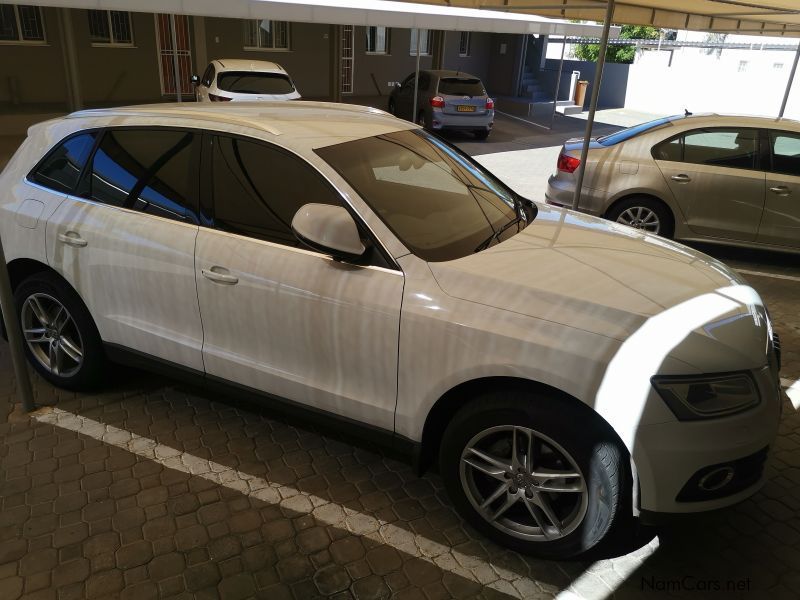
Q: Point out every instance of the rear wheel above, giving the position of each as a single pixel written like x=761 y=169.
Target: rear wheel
x=645 y=213
x=61 y=339
x=534 y=474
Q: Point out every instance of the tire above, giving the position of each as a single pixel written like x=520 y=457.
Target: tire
x=58 y=329
x=636 y=212
x=482 y=134
x=564 y=437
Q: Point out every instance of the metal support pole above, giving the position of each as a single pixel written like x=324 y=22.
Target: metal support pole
x=14 y=332
x=416 y=82
x=176 y=67
x=558 y=81
x=789 y=83
x=598 y=78
x=75 y=99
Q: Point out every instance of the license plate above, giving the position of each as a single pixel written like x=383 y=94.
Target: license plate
x=465 y=108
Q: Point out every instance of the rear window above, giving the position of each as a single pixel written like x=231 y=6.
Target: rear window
x=61 y=168
x=626 y=134
x=458 y=86
x=247 y=82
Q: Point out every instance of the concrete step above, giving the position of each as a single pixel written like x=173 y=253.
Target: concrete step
x=569 y=109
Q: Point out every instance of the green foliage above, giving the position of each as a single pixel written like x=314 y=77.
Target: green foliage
x=619 y=54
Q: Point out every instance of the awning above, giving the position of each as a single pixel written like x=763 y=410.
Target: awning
x=747 y=17
x=349 y=12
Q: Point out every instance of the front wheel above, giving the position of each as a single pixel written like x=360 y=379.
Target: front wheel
x=534 y=474
x=645 y=213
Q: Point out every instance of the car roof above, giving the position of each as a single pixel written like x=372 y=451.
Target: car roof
x=297 y=125
x=717 y=120
x=240 y=64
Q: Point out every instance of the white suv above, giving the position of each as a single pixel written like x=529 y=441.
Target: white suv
x=563 y=371
x=225 y=80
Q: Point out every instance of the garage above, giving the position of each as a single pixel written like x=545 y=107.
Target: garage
x=304 y=349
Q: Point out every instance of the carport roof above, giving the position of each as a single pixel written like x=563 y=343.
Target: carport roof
x=748 y=17
x=350 y=12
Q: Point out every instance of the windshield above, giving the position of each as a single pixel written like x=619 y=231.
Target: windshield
x=441 y=204
x=249 y=82
x=626 y=134
x=453 y=86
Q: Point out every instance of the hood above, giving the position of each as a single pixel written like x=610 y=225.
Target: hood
x=591 y=274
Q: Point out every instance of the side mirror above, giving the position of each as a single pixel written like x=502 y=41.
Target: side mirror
x=397 y=84
x=328 y=229
x=195 y=79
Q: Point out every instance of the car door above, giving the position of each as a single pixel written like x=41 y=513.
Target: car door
x=405 y=98
x=125 y=241
x=281 y=318
x=714 y=175
x=780 y=224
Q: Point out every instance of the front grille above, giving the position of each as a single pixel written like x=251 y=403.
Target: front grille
x=745 y=472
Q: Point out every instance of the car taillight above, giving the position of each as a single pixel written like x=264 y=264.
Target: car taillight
x=214 y=98
x=567 y=163
x=437 y=102
x=489 y=104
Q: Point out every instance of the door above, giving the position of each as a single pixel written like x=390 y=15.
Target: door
x=125 y=241
x=405 y=98
x=714 y=175
x=780 y=224
x=168 y=47
x=280 y=318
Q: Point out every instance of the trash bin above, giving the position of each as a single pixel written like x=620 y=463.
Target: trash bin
x=580 y=92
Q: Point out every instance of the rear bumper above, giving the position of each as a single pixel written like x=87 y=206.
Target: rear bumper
x=440 y=120
x=561 y=193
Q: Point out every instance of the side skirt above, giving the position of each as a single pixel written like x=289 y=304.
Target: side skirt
x=240 y=396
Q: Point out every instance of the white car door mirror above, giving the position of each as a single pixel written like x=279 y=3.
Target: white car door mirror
x=329 y=229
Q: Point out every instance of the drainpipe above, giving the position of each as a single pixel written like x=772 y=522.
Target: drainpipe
x=416 y=81
x=598 y=78
x=176 y=68
x=14 y=332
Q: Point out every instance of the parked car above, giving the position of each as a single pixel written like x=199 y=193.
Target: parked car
x=230 y=79
x=446 y=100
x=710 y=178
x=339 y=261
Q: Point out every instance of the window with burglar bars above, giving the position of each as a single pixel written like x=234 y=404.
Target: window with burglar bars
x=110 y=28
x=21 y=24
x=425 y=41
x=266 y=35
x=347 y=59
x=464 y=43
x=377 y=40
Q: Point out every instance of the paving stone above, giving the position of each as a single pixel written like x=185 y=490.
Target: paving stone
x=166 y=565
x=331 y=579
x=104 y=584
x=134 y=554
x=237 y=587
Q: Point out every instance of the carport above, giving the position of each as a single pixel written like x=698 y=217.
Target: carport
x=332 y=12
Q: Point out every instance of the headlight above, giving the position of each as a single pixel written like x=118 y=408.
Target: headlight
x=706 y=397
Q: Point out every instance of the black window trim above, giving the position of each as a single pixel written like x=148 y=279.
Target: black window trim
x=769 y=152
x=31 y=176
x=759 y=141
x=207 y=200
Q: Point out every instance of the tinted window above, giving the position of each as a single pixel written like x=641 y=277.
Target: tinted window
x=785 y=152
x=628 y=133
x=424 y=82
x=254 y=83
x=456 y=86
x=146 y=170
x=440 y=204
x=736 y=148
x=258 y=189
x=208 y=76
x=62 y=167
x=669 y=150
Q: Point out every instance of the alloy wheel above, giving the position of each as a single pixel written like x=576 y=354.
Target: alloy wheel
x=52 y=335
x=523 y=483
x=640 y=217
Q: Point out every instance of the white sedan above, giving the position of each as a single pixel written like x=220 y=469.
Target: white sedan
x=230 y=79
x=564 y=371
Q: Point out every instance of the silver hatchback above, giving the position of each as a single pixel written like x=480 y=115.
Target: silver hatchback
x=711 y=178
x=445 y=100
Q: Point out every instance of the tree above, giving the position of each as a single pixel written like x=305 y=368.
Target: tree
x=619 y=54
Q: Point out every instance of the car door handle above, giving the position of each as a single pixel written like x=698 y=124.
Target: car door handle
x=217 y=277
x=72 y=238
x=781 y=190
x=681 y=178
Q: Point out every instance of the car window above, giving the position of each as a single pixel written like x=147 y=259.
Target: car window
x=440 y=204
x=460 y=86
x=61 y=168
x=722 y=147
x=669 y=150
x=257 y=189
x=785 y=152
x=408 y=80
x=208 y=76
x=147 y=170
x=249 y=82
